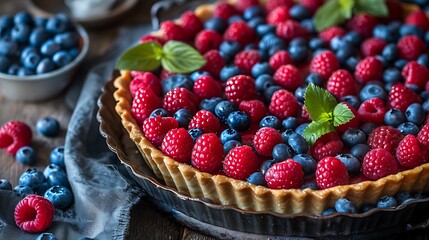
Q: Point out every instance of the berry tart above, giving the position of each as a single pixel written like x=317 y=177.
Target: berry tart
x=283 y=106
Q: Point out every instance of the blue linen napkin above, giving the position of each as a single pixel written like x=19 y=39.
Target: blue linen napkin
x=103 y=191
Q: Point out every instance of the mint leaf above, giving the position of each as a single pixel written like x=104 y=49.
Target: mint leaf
x=342 y=114
x=179 y=57
x=319 y=103
x=143 y=57
x=375 y=8
x=332 y=13
x=316 y=129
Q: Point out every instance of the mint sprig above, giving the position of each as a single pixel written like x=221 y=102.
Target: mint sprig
x=174 y=56
x=326 y=114
x=335 y=12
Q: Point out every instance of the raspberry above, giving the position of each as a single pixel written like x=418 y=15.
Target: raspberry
x=279 y=58
x=373 y=46
x=206 y=121
x=215 y=62
x=327 y=145
x=385 y=137
x=207 y=154
x=239 y=88
x=331 y=172
x=225 y=11
x=14 y=135
x=341 y=83
x=329 y=33
x=206 y=87
x=288 y=76
x=240 y=32
x=419 y=19
x=283 y=104
x=400 y=97
x=305 y=115
x=372 y=111
x=312 y=5
x=265 y=139
x=155 y=128
x=368 y=69
x=415 y=74
x=362 y=24
x=278 y=15
x=354 y=123
x=324 y=63
x=151 y=38
x=173 y=31
x=240 y=162
x=244 y=4
x=290 y=29
x=207 y=40
x=191 y=23
x=178 y=98
x=410 y=152
x=273 y=4
x=148 y=80
x=254 y=108
x=379 y=163
x=144 y=102
x=285 y=175
x=178 y=144
x=246 y=59
x=34 y=213
x=423 y=135
x=410 y=47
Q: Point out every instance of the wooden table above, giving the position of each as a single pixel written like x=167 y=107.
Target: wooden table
x=146 y=222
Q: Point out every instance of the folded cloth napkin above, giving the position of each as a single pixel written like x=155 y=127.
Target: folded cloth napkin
x=103 y=191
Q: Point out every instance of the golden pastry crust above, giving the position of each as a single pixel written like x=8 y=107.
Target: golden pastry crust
x=227 y=191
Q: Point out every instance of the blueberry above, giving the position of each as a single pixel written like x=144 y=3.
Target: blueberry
x=359 y=151
x=286 y=134
x=210 y=104
x=266 y=165
x=48 y=126
x=197 y=74
x=351 y=162
x=261 y=68
x=230 y=48
x=263 y=29
x=424 y=95
x=255 y=22
x=400 y=63
x=415 y=114
x=390 y=52
x=394 y=117
x=235 y=18
x=352 y=137
x=408 y=29
x=257 y=178
x=335 y=43
x=282 y=152
x=217 y=24
x=402 y=196
x=4 y=64
x=298 y=143
x=229 y=71
x=310 y=185
x=316 y=43
x=46 y=236
x=228 y=146
x=229 y=134
x=67 y=39
x=252 y=12
x=56 y=25
x=20 y=33
x=51 y=168
x=62 y=58
x=351 y=100
x=6 y=21
x=271 y=43
x=315 y=79
x=31 y=178
x=372 y=91
x=367 y=128
x=328 y=211
x=61 y=197
x=270 y=121
x=343 y=54
x=392 y=75
x=176 y=81
x=269 y=92
x=74 y=52
x=58 y=178
x=387 y=202
x=382 y=31
x=32 y=60
x=299 y=12
x=5 y=184
x=367 y=207
x=23 y=191
x=8 y=47
x=41 y=189
x=195 y=133
x=308 y=25
x=300 y=93
x=308 y=163
x=239 y=121
x=38 y=36
x=13 y=69
x=223 y=109
x=49 y=48
x=423 y=60
x=57 y=156
x=343 y=205
x=26 y=155
x=300 y=129
x=298 y=53
x=353 y=37
x=40 y=21
x=22 y=71
x=22 y=18
x=290 y=123
x=183 y=117
x=45 y=65
x=263 y=82
x=351 y=63
x=408 y=128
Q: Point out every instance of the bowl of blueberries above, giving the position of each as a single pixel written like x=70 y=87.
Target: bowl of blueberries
x=39 y=55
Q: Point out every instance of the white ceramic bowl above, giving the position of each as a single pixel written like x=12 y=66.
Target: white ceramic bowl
x=44 y=86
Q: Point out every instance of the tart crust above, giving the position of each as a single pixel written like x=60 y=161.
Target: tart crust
x=227 y=191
